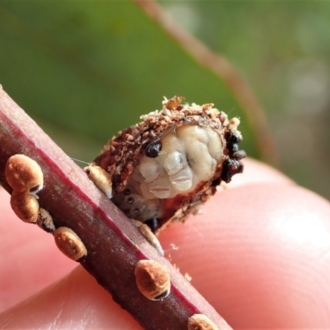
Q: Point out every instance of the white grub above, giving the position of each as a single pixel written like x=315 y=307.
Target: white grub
x=214 y=144
x=189 y=155
x=150 y=170
x=182 y=181
x=100 y=178
x=152 y=279
x=161 y=188
x=24 y=174
x=173 y=160
x=194 y=132
x=145 y=191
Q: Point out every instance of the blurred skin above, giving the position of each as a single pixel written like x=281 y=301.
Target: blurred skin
x=259 y=253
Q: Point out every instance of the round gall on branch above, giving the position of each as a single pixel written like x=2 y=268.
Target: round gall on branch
x=200 y=322
x=25 y=177
x=24 y=174
x=152 y=279
x=69 y=243
x=25 y=206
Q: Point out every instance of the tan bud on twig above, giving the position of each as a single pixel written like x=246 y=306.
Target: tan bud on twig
x=69 y=243
x=25 y=206
x=152 y=279
x=24 y=174
x=200 y=322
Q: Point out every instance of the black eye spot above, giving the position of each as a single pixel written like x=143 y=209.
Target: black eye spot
x=127 y=192
x=130 y=200
x=153 y=149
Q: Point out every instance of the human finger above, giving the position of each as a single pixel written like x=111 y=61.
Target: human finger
x=260 y=255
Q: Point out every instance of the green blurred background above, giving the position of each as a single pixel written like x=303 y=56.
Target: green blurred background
x=86 y=69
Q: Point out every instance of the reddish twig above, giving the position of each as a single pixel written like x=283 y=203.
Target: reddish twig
x=113 y=244
x=222 y=68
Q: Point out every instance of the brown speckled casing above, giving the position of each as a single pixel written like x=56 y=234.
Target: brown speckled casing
x=122 y=154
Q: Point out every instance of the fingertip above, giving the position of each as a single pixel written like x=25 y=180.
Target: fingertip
x=26 y=250
x=76 y=301
x=259 y=255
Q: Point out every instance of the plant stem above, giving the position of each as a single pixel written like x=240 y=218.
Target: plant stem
x=113 y=243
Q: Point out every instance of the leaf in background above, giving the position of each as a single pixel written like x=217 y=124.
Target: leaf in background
x=92 y=68
x=87 y=69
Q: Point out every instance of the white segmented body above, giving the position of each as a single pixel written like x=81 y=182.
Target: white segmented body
x=174 y=162
x=164 y=167
x=150 y=170
x=161 y=188
x=189 y=155
x=182 y=180
x=184 y=161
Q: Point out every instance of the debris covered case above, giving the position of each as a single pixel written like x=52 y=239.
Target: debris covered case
x=164 y=167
